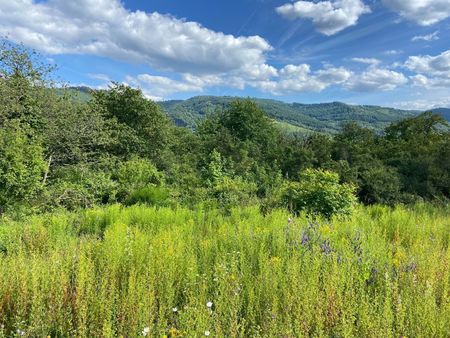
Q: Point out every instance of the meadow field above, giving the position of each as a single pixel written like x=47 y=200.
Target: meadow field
x=174 y=272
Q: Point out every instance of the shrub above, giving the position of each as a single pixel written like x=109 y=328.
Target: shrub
x=232 y=192
x=21 y=166
x=150 y=195
x=79 y=186
x=136 y=174
x=319 y=192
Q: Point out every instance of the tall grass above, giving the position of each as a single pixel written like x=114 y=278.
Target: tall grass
x=137 y=271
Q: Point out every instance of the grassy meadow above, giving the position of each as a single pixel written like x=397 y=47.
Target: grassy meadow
x=142 y=271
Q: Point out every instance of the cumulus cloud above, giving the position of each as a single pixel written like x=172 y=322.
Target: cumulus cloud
x=106 y=28
x=429 y=37
x=375 y=79
x=300 y=78
x=159 y=88
x=423 y=12
x=432 y=71
x=329 y=17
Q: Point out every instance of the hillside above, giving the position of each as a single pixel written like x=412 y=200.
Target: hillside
x=445 y=112
x=323 y=117
x=291 y=117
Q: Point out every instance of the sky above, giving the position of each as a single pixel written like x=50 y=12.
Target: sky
x=379 y=52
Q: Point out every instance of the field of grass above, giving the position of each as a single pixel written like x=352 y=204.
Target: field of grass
x=137 y=271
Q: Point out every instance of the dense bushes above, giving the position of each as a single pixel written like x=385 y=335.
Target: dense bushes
x=58 y=151
x=22 y=165
x=319 y=192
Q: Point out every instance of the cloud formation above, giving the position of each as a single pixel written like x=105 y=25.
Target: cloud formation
x=429 y=37
x=106 y=28
x=423 y=12
x=329 y=17
x=300 y=78
x=432 y=71
x=376 y=79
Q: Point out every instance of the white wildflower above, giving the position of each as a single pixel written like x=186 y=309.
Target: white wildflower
x=209 y=305
x=145 y=331
x=174 y=309
x=207 y=333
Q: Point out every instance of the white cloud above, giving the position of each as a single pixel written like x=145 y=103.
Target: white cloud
x=422 y=104
x=367 y=61
x=432 y=71
x=423 y=12
x=429 y=37
x=376 y=79
x=300 y=78
x=160 y=87
x=329 y=17
x=106 y=28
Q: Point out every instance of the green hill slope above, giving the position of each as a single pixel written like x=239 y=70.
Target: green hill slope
x=291 y=117
x=444 y=112
x=323 y=117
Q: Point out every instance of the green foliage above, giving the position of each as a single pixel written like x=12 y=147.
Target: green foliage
x=113 y=271
x=150 y=195
x=141 y=128
x=136 y=174
x=308 y=118
x=21 y=166
x=79 y=186
x=319 y=192
x=112 y=144
x=226 y=189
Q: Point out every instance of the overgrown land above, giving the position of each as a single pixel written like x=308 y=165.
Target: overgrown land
x=114 y=221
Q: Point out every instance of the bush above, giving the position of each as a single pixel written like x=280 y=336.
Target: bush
x=318 y=192
x=232 y=192
x=21 y=166
x=134 y=175
x=79 y=187
x=150 y=195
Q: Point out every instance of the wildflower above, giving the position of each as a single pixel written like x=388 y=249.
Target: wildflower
x=289 y=220
x=411 y=267
x=209 y=305
x=175 y=309
x=145 y=331
x=20 y=332
x=207 y=333
x=326 y=248
x=305 y=238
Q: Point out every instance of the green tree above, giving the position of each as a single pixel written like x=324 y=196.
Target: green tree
x=141 y=128
x=21 y=165
x=318 y=192
x=136 y=174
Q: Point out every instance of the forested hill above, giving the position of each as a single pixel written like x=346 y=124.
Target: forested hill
x=323 y=117
x=295 y=117
x=444 y=112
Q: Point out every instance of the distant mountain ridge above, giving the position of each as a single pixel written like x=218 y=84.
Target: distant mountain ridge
x=444 y=112
x=321 y=117
x=291 y=117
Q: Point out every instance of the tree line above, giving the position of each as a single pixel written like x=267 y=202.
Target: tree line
x=59 y=152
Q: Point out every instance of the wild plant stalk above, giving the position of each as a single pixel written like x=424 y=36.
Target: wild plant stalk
x=144 y=271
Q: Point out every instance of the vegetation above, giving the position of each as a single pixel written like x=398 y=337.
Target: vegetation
x=114 y=271
x=116 y=222
x=323 y=117
x=120 y=147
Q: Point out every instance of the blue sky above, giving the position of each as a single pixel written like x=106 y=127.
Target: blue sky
x=384 y=52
